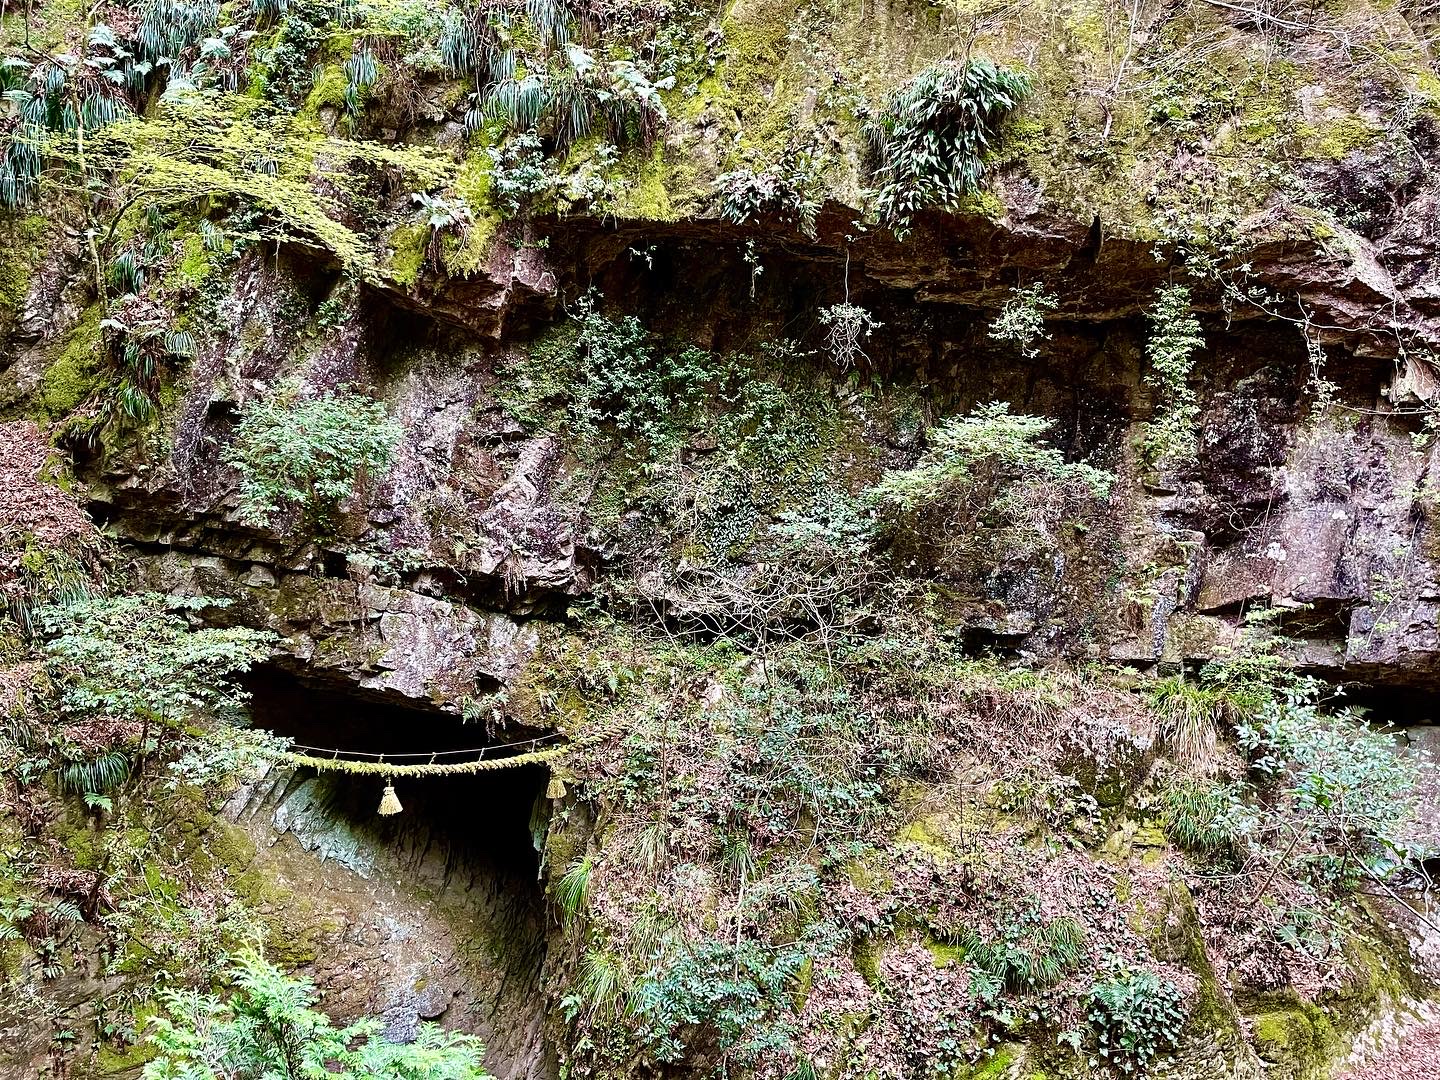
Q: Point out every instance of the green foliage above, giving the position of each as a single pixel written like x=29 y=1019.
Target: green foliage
x=930 y=140
x=572 y=892
x=1175 y=338
x=603 y=981
x=267 y=1028
x=361 y=73
x=46 y=577
x=1190 y=714
x=1027 y=953
x=991 y=470
x=722 y=998
x=96 y=775
x=1135 y=1016
x=308 y=453
x=974 y=452
x=530 y=74
x=137 y=658
x=610 y=374
x=64 y=98
x=1021 y=321
x=141 y=351
x=1205 y=816
x=232 y=149
x=799 y=754
x=785 y=191
x=1342 y=786
x=519 y=172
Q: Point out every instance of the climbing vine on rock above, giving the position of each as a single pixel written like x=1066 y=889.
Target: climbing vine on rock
x=1175 y=339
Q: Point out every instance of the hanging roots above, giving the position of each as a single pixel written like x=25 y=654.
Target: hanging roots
x=847 y=324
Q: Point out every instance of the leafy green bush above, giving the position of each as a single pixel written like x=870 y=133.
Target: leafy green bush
x=1022 y=318
x=785 y=191
x=721 y=997
x=268 y=1029
x=308 y=454
x=1135 y=1015
x=975 y=452
x=610 y=374
x=930 y=140
x=124 y=673
x=1342 y=786
x=138 y=658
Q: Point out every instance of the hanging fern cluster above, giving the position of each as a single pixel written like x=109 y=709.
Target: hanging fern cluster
x=141 y=351
x=564 y=91
x=99 y=774
x=362 y=71
x=76 y=96
x=62 y=95
x=928 y=144
x=169 y=28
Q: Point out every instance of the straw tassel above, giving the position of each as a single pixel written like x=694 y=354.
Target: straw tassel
x=389 y=802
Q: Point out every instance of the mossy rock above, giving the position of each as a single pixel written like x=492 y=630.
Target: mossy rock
x=407 y=259
x=1295 y=1042
x=77 y=370
x=1000 y=1064
x=865 y=954
x=112 y=1060
x=24 y=248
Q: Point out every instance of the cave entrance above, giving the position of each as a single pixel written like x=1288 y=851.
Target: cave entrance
x=493 y=816
x=436 y=913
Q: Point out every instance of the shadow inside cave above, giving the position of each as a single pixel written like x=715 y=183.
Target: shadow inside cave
x=435 y=913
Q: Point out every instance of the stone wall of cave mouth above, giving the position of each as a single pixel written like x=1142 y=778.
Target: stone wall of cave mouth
x=436 y=913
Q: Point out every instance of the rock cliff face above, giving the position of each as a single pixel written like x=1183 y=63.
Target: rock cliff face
x=612 y=360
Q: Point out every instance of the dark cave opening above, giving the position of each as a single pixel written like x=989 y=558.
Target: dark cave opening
x=440 y=908
x=488 y=818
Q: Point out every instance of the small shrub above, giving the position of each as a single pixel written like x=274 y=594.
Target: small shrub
x=990 y=470
x=626 y=381
x=967 y=450
x=1021 y=321
x=930 y=140
x=1135 y=1016
x=1341 y=783
x=137 y=658
x=308 y=453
